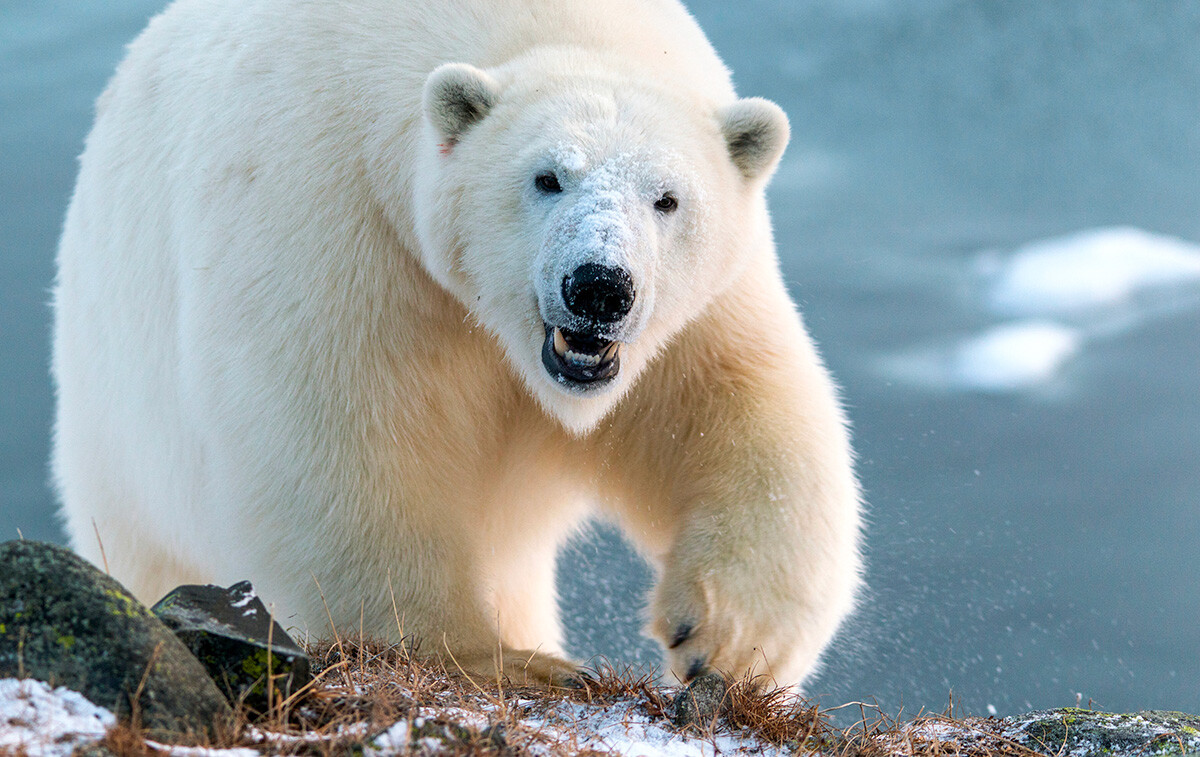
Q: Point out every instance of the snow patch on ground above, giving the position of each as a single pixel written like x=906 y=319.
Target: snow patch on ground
x=622 y=729
x=394 y=740
x=172 y=750
x=47 y=722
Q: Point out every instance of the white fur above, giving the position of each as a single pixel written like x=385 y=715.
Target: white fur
x=299 y=318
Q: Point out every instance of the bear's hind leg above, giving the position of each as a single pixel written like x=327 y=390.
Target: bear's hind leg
x=123 y=548
x=526 y=602
x=518 y=551
x=524 y=623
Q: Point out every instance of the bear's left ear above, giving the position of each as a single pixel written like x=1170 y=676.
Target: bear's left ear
x=756 y=131
x=456 y=97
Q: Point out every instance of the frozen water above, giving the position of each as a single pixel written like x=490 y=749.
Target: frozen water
x=1066 y=292
x=1008 y=357
x=1013 y=356
x=1087 y=270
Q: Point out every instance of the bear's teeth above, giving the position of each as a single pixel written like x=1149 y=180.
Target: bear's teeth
x=560 y=342
x=610 y=351
x=581 y=359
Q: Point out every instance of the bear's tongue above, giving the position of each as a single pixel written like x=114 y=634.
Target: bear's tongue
x=583 y=351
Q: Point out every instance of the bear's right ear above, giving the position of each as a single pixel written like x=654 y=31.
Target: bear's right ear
x=756 y=133
x=456 y=97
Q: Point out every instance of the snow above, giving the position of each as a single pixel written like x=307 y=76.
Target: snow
x=258 y=735
x=1089 y=269
x=47 y=722
x=52 y=722
x=394 y=740
x=172 y=750
x=249 y=597
x=621 y=729
x=569 y=157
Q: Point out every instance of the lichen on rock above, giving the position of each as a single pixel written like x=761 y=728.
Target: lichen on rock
x=1083 y=733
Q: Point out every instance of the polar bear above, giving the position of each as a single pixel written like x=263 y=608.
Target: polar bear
x=372 y=302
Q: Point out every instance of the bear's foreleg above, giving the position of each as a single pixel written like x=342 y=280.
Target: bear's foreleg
x=742 y=487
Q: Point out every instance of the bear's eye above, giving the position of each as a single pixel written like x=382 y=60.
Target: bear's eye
x=666 y=204
x=548 y=183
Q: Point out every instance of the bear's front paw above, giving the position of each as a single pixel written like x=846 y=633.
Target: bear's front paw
x=733 y=622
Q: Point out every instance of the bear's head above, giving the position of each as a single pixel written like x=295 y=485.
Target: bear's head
x=587 y=215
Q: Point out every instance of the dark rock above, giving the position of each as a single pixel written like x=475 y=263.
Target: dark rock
x=66 y=623
x=495 y=736
x=232 y=633
x=1086 y=732
x=701 y=703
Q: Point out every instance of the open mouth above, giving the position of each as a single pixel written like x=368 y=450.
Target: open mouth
x=574 y=358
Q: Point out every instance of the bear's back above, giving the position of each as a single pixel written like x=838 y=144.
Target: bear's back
x=400 y=41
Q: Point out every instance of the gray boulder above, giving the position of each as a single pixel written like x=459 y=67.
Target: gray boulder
x=64 y=622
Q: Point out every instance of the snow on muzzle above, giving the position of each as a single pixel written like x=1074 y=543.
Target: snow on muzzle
x=580 y=359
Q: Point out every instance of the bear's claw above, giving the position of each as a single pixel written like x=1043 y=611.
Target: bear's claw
x=682 y=633
x=698 y=666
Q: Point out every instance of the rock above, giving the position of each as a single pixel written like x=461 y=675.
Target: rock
x=700 y=704
x=1083 y=733
x=495 y=736
x=66 y=623
x=232 y=633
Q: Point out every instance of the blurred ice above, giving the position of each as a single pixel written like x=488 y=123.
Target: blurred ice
x=1063 y=293
x=1007 y=358
x=1012 y=356
x=1087 y=270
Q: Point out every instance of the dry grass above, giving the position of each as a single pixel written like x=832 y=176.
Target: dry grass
x=365 y=687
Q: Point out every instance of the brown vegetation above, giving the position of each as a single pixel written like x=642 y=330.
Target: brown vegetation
x=371 y=694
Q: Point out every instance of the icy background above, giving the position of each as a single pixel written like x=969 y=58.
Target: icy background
x=989 y=214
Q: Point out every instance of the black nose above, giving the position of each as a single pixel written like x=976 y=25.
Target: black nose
x=598 y=292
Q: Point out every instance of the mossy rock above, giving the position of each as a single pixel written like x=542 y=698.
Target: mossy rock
x=64 y=622
x=1083 y=733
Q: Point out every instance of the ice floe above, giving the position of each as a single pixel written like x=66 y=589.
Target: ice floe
x=1009 y=357
x=1087 y=270
x=1048 y=300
